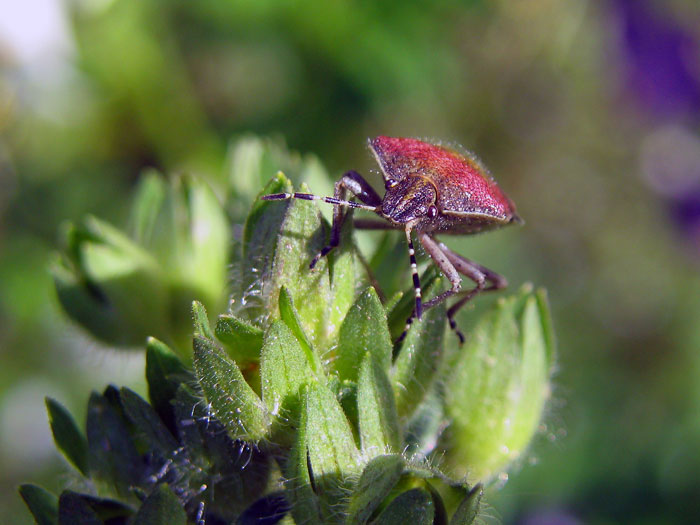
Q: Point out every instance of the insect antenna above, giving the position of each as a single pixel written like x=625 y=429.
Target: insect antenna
x=312 y=197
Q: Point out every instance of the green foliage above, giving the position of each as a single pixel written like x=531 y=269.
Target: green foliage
x=299 y=380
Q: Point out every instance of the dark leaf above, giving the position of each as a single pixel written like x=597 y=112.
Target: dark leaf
x=42 y=504
x=68 y=438
x=106 y=510
x=468 y=509
x=164 y=374
x=161 y=507
x=414 y=507
x=112 y=455
x=148 y=425
x=266 y=511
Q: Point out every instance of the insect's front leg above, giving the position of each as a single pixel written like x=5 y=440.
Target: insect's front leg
x=360 y=188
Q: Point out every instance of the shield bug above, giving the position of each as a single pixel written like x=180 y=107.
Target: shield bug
x=430 y=189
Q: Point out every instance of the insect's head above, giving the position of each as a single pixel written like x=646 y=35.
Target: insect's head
x=409 y=199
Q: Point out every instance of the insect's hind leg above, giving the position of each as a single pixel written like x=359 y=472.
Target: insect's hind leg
x=477 y=273
x=356 y=184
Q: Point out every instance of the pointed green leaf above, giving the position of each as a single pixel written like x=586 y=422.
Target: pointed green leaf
x=418 y=360
x=414 y=506
x=201 y=321
x=161 y=507
x=289 y=315
x=378 y=478
x=280 y=240
x=303 y=235
x=363 y=330
x=68 y=438
x=147 y=424
x=164 y=374
x=333 y=456
x=468 y=509
x=241 y=339
x=284 y=369
x=42 y=504
x=260 y=240
x=376 y=407
x=232 y=400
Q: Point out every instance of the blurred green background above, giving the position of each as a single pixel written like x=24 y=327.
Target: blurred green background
x=587 y=113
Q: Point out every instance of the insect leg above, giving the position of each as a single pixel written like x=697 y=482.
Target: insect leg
x=477 y=273
x=350 y=181
x=360 y=188
x=418 y=312
x=436 y=252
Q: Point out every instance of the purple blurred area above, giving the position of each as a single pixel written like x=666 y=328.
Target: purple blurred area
x=661 y=60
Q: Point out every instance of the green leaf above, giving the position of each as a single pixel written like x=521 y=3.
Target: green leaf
x=284 y=370
x=42 y=504
x=148 y=424
x=376 y=482
x=378 y=419
x=112 y=455
x=418 y=360
x=148 y=202
x=363 y=330
x=499 y=384
x=305 y=504
x=241 y=339
x=98 y=280
x=414 y=506
x=233 y=401
x=468 y=509
x=260 y=240
x=68 y=438
x=289 y=315
x=345 y=274
x=201 y=321
x=425 y=424
x=164 y=374
x=161 y=507
x=545 y=318
x=302 y=235
x=332 y=450
x=280 y=240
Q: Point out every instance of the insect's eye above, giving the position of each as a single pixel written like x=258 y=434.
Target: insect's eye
x=390 y=183
x=432 y=211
